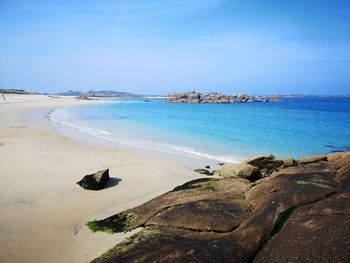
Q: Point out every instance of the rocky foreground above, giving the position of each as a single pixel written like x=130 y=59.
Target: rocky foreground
x=217 y=97
x=263 y=210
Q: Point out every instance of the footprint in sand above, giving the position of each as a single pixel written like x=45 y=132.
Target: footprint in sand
x=18 y=127
x=77 y=227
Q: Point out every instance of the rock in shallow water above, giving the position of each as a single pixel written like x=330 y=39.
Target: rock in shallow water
x=95 y=181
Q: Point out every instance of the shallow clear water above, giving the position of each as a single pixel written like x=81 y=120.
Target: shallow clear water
x=227 y=132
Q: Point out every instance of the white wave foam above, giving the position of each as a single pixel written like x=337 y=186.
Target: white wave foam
x=62 y=115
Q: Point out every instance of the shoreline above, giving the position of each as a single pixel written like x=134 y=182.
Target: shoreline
x=189 y=157
x=224 y=133
x=43 y=210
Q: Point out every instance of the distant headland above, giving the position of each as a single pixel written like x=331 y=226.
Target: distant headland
x=100 y=93
x=17 y=91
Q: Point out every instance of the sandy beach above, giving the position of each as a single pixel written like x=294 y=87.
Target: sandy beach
x=43 y=211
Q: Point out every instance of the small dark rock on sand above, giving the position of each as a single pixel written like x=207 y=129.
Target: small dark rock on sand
x=95 y=181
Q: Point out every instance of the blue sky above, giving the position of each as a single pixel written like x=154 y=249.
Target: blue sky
x=158 y=46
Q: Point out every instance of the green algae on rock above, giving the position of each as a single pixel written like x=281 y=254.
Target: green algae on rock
x=143 y=235
x=116 y=223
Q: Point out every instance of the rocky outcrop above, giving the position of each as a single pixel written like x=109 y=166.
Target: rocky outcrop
x=203 y=215
x=217 y=97
x=298 y=212
x=314 y=232
x=265 y=163
x=287 y=162
x=255 y=168
x=95 y=181
x=313 y=159
x=241 y=170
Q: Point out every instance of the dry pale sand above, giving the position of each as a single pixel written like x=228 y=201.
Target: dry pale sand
x=42 y=210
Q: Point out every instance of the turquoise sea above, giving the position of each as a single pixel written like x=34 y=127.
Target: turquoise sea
x=221 y=132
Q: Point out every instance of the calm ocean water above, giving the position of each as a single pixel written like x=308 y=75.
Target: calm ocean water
x=223 y=132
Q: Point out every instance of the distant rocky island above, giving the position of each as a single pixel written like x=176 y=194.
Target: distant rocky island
x=17 y=91
x=100 y=94
x=217 y=97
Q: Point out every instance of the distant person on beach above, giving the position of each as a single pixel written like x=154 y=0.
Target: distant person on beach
x=3 y=96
